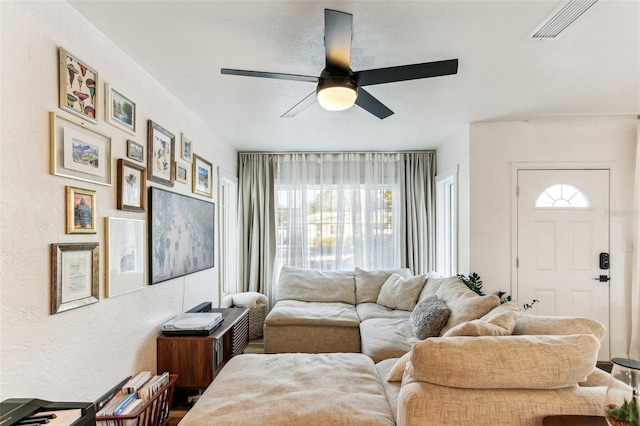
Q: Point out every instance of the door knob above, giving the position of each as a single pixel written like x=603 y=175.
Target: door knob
x=602 y=278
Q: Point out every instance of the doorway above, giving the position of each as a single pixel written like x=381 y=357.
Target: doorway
x=563 y=243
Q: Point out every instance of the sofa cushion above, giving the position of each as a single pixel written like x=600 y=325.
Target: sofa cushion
x=464 y=304
x=397 y=371
x=384 y=338
x=368 y=283
x=295 y=312
x=309 y=285
x=532 y=362
x=398 y=292
x=392 y=389
x=294 y=389
x=429 y=316
x=537 y=325
x=373 y=310
x=500 y=325
x=434 y=281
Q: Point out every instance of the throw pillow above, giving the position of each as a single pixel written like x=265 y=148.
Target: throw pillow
x=398 y=292
x=428 y=317
x=368 y=283
x=464 y=304
x=499 y=325
x=397 y=371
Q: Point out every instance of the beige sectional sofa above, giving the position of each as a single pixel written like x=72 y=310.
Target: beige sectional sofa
x=501 y=367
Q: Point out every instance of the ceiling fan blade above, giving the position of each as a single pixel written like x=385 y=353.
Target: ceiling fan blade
x=337 y=38
x=300 y=106
x=276 y=75
x=406 y=72
x=366 y=101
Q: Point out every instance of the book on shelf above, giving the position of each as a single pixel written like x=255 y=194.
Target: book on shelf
x=152 y=387
x=117 y=404
x=108 y=396
x=137 y=382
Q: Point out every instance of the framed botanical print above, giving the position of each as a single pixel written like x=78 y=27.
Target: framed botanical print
x=202 y=179
x=79 y=152
x=74 y=276
x=132 y=185
x=120 y=110
x=81 y=211
x=78 y=87
x=160 y=154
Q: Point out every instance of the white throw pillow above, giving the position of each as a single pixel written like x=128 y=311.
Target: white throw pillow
x=464 y=304
x=398 y=292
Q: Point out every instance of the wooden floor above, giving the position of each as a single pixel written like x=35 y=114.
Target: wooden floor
x=178 y=411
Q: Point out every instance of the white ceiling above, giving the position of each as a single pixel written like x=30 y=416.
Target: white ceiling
x=593 y=68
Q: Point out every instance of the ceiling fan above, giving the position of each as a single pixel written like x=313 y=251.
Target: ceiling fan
x=338 y=87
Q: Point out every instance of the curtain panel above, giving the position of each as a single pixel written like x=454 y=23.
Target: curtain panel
x=634 y=348
x=335 y=211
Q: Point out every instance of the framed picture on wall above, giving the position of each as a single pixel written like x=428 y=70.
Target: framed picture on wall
x=186 y=149
x=202 y=179
x=79 y=152
x=132 y=186
x=78 y=86
x=74 y=276
x=81 y=211
x=135 y=151
x=125 y=255
x=160 y=154
x=181 y=173
x=120 y=110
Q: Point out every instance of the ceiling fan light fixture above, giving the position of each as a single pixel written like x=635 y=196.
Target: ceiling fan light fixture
x=337 y=95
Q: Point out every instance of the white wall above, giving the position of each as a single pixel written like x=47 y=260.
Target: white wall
x=494 y=147
x=79 y=354
x=455 y=152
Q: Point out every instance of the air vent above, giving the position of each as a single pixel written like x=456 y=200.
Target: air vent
x=564 y=16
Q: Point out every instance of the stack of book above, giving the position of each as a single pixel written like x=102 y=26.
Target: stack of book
x=128 y=396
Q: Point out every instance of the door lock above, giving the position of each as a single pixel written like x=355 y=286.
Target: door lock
x=602 y=278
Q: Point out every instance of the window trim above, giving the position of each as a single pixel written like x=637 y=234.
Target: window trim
x=228 y=236
x=447 y=222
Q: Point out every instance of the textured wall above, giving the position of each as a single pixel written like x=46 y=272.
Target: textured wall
x=79 y=354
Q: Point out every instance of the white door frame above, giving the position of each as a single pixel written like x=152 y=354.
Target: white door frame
x=599 y=165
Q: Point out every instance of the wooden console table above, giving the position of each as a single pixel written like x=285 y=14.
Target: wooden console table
x=198 y=359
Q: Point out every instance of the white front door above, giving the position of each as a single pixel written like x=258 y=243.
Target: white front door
x=563 y=226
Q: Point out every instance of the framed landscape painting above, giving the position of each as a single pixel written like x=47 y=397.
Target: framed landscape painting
x=202 y=180
x=79 y=152
x=78 y=86
x=160 y=154
x=120 y=111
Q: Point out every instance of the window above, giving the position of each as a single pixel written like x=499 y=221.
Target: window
x=328 y=227
x=562 y=196
x=447 y=222
x=228 y=207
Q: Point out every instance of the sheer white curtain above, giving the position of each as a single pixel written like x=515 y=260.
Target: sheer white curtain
x=634 y=349
x=336 y=211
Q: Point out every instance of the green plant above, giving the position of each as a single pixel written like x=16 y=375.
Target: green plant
x=474 y=283
x=628 y=413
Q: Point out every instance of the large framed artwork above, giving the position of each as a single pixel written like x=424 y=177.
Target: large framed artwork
x=74 y=276
x=124 y=256
x=78 y=87
x=181 y=235
x=160 y=154
x=78 y=152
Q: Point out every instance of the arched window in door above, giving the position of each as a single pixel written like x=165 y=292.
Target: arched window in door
x=562 y=196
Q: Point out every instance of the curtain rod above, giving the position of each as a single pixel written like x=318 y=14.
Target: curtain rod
x=336 y=152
